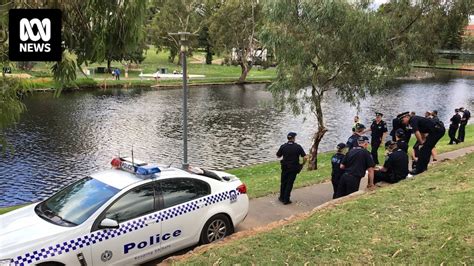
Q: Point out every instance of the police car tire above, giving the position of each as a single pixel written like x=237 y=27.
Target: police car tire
x=215 y=229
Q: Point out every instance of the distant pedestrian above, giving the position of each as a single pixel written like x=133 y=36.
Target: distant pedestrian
x=117 y=74
x=420 y=126
x=356 y=121
x=466 y=115
x=453 y=127
x=352 y=141
x=336 y=161
x=290 y=166
x=355 y=163
x=395 y=167
x=378 y=133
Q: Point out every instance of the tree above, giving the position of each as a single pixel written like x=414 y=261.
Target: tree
x=342 y=46
x=235 y=25
x=173 y=16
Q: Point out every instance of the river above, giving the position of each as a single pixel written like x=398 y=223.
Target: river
x=59 y=140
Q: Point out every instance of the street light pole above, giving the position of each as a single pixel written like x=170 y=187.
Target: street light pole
x=183 y=38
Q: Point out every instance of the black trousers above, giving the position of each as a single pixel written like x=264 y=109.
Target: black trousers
x=335 y=183
x=462 y=132
x=425 y=151
x=385 y=177
x=286 y=185
x=374 y=151
x=452 y=134
x=347 y=185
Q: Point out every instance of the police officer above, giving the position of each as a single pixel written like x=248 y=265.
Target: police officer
x=395 y=167
x=421 y=125
x=397 y=124
x=400 y=139
x=453 y=127
x=337 y=172
x=356 y=162
x=466 y=115
x=352 y=141
x=378 y=133
x=290 y=166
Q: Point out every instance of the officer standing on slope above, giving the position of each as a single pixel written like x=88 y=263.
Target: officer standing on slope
x=466 y=115
x=453 y=127
x=352 y=141
x=356 y=162
x=421 y=125
x=290 y=166
x=379 y=132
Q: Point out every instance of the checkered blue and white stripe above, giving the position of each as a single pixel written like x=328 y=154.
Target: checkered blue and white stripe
x=99 y=236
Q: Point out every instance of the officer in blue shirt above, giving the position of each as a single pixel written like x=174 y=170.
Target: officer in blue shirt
x=290 y=166
x=337 y=172
x=355 y=163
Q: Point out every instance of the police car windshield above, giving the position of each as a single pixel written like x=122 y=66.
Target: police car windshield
x=77 y=202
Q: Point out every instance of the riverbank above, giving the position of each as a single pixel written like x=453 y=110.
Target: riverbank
x=264 y=179
x=425 y=220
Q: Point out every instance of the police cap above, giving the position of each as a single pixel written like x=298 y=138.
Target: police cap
x=359 y=126
x=390 y=143
x=341 y=146
x=291 y=135
x=402 y=115
x=363 y=139
x=400 y=132
x=461 y=109
x=378 y=114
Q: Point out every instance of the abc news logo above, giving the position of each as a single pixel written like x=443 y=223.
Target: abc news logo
x=35 y=35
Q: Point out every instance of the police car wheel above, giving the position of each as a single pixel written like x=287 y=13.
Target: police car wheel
x=215 y=229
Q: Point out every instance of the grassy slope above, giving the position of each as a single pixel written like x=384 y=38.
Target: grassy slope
x=426 y=220
x=263 y=179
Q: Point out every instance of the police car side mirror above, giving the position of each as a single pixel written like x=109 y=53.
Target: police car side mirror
x=108 y=224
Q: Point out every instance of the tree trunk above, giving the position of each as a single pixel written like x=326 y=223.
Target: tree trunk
x=245 y=70
x=109 y=63
x=318 y=136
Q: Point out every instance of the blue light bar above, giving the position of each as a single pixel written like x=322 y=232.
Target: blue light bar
x=147 y=170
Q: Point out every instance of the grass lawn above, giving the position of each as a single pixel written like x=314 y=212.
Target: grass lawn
x=263 y=179
x=427 y=220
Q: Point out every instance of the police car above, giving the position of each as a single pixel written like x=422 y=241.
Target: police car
x=130 y=214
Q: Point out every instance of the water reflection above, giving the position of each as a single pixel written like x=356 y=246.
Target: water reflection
x=61 y=139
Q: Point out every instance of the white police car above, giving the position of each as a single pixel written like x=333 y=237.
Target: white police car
x=126 y=215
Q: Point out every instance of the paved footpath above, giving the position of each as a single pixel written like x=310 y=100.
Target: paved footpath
x=268 y=209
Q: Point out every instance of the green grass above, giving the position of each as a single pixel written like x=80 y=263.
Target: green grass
x=427 y=220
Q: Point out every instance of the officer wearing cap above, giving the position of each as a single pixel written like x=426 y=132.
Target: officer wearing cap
x=379 y=132
x=336 y=166
x=397 y=124
x=421 y=125
x=466 y=115
x=290 y=166
x=352 y=141
x=453 y=127
x=354 y=164
x=395 y=167
x=400 y=139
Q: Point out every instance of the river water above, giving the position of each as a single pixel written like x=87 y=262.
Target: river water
x=59 y=140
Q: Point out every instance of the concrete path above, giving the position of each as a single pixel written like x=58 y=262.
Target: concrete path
x=268 y=209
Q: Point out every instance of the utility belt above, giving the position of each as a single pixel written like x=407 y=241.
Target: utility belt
x=439 y=125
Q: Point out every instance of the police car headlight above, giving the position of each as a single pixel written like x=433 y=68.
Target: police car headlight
x=6 y=262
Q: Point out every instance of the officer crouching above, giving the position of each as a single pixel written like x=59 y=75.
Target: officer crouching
x=395 y=167
x=290 y=166
x=356 y=162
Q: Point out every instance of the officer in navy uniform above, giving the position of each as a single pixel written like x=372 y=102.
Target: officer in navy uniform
x=352 y=141
x=337 y=172
x=354 y=164
x=421 y=125
x=397 y=124
x=466 y=115
x=453 y=127
x=290 y=166
x=378 y=133
x=395 y=167
x=400 y=139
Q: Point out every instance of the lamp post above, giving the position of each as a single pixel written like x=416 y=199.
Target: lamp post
x=183 y=41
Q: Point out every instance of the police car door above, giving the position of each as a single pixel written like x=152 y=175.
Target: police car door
x=135 y=240
x=184 y=211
